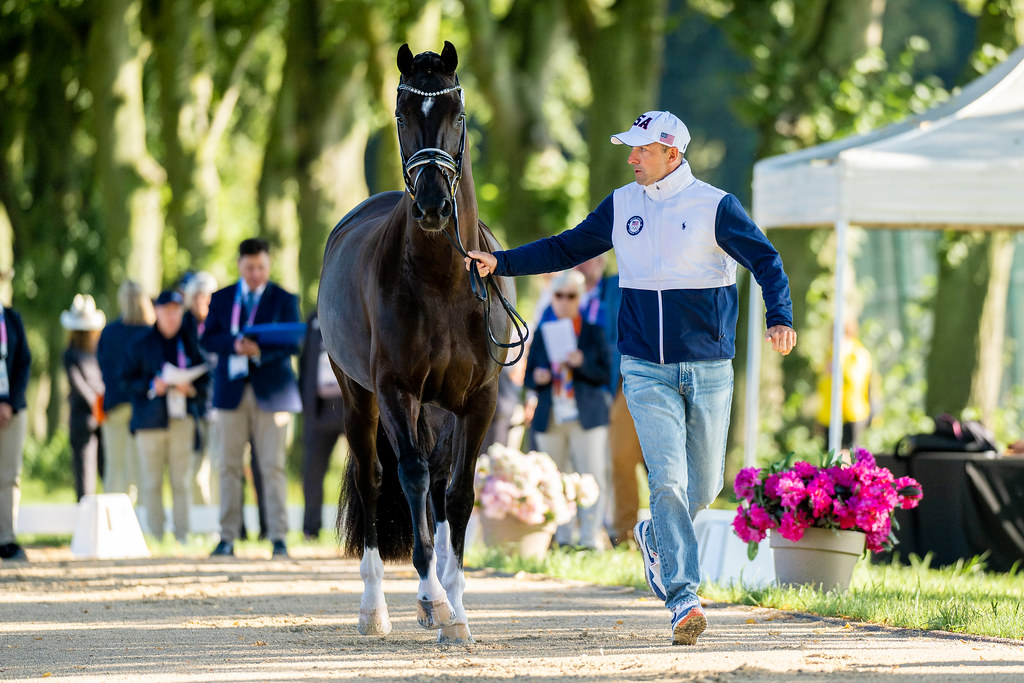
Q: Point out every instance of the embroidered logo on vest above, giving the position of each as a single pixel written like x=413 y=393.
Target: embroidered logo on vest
x=634 y=225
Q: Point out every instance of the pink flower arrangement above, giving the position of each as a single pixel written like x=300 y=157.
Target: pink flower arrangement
x=530 y=487
x=861 y=496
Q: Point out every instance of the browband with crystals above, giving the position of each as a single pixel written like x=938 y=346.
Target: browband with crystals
x=417 y=91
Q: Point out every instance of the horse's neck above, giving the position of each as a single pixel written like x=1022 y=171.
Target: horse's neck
x=432 y=258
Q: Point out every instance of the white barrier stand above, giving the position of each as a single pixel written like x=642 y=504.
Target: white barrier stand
x=106 y=528
x=723 y=556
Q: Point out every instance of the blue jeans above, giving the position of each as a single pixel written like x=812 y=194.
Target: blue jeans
x=681 y=412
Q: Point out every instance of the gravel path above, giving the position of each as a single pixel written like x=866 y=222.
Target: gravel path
x=248 y=619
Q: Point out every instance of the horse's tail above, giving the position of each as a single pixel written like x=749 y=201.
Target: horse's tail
x=394 y=520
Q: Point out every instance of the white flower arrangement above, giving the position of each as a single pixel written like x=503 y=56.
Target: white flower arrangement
x=529 y=487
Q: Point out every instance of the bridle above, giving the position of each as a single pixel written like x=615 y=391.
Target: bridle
x=451 y=170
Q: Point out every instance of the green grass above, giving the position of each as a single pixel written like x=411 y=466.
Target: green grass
x=962 y=598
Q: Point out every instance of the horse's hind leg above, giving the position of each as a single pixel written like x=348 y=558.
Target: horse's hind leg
x=361 y=432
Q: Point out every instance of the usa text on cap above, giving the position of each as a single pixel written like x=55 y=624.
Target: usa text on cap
x=655 y=126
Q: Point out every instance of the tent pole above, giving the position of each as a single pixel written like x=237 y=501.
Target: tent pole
x=753 y=389
x=835 y=425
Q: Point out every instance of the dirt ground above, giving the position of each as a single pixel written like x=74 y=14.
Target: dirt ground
x=253 y=619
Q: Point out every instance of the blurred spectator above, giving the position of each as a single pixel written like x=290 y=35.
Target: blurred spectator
x=198 y=290
x=121 y=472
x=571 y=418
x=15 y=363
x=84 y=322
x=254 y=391
x=856 y=365
x=322 y=424
x=164 y=412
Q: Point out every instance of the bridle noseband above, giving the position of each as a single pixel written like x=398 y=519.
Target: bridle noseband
x=451 y=171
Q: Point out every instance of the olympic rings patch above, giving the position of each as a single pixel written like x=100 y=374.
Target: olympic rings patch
x=634 y=225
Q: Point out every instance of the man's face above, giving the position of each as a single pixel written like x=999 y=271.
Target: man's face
x=168 y=319
x=652 y=162
x=255 y=269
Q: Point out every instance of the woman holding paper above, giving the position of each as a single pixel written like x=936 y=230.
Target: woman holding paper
x=569 y=366
x=166 y=379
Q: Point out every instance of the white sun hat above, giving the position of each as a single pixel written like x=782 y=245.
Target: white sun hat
x=655 y=126
x=83 y=315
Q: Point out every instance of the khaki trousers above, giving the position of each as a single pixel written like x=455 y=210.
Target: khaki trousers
x=268 y=432
x=122 y=469
x=625 y=457
x=12 y=444
x=575 y=449
x=170 y=448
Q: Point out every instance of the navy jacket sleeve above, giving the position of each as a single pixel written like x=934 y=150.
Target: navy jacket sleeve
x=567 y=249
x=289 y=313
x=217 y=337
x=537 y=358
x=19 y=360
x=739 y=237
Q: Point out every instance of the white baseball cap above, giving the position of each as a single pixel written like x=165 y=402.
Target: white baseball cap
x=655 y=126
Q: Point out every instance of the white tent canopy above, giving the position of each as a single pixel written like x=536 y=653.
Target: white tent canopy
x=958 y=166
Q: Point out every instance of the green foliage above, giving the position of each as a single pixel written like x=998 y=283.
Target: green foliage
x=962 y=598
x=48 y=462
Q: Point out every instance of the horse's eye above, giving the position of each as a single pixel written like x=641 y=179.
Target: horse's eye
x=462 y=117
x=400 y=119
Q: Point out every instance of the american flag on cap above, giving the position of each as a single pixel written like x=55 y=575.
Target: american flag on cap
x=667 y=139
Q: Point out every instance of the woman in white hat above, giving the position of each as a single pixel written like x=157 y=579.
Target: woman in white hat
x=84 y=322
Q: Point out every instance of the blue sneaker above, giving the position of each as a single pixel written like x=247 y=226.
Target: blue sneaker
x=688 y=622
x=652 y=572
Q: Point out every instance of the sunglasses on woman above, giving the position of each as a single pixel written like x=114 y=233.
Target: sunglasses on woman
x=566 y=295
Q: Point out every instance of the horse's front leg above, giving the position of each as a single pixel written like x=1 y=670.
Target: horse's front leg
x=365 y=470
x=469 y=436
x=401 y=420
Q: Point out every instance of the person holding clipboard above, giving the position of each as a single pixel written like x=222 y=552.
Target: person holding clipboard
x=166 y=380
x=568 y=366
x=254 y=328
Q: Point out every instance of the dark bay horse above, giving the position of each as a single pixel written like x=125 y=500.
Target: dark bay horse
x=408 y=341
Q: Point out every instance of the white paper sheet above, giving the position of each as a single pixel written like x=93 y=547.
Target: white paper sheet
x=559 y=339
x=174 y=375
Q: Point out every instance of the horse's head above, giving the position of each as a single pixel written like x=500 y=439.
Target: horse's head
x=431 y=132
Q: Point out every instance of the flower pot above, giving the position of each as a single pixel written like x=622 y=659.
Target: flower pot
x=515 y=536
x=823 y=557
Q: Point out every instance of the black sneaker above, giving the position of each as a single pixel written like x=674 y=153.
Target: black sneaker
x=280 y=549
x=224 y=549
x=12 y=552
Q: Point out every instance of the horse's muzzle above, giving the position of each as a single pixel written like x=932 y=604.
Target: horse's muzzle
x=432 y=218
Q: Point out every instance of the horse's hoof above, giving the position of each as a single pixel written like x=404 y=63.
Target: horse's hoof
x=455 y=634
x=434 y=613
x=374 y=622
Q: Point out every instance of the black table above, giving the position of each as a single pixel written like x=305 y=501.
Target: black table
x=973 y=503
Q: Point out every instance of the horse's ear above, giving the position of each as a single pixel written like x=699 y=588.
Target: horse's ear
x=405 y=60
x=449 y=58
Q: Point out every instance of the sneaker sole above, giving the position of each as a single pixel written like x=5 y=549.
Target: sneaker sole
x=687 y=630
x=648 y=574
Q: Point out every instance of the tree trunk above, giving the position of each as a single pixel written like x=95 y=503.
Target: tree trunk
x=623 y=47
x=129 y=178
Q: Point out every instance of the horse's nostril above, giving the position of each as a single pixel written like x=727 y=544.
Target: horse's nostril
x=417 y=211
x=446 y=208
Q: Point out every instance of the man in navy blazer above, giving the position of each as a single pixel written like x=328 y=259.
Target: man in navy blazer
x=254 y=390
